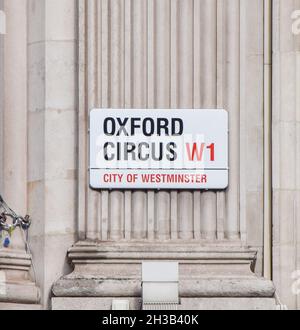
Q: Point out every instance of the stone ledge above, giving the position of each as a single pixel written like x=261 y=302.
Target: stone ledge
x=204 y=287
x=114 y=270
x=88 y=252
x=185 y=303
x=227 y=304
x=14 y=260
x=22 y=293
x=11 y=306
x=16 y=287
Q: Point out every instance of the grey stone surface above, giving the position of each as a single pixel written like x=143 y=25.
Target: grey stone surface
x=286 y=161
x=114 y=270
x=90 y=303
x=185 y=304
x=14 y=306
x=228 y=304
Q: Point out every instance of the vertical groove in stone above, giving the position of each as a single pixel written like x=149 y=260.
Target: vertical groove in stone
x=116 y=9
x=244 y=81
x=233 y=104
x=174 y=12
x=128 y=101
x=198 y=45
x=139 y=85
x=197 y=105
x=151 y=104
x=98 y=22
x=92 y=86
x=186 y=93
x=82 y=122
x=162 y=99
x=209 y=101
x=105 y=101
x=221 y=204
x=99 y=53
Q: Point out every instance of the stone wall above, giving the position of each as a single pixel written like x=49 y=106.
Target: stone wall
x=286 y=162
x=64 y=57
x=172 y=54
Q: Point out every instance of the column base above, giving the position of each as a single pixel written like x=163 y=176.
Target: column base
x=17 y=290
x=210 y=277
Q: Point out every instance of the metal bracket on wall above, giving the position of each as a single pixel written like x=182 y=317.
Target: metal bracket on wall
x=160 y=283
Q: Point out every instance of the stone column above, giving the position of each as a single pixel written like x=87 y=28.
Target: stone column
x=1 y=100
x=15 y=263
x=286 y=161
x=52 y=137
x=15 y=112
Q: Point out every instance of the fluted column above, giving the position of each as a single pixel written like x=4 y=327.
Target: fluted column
x=175 y=54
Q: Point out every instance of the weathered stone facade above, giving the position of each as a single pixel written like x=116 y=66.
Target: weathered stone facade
x=61 y=58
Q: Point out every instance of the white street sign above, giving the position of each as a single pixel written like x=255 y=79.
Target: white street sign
x=158 y=149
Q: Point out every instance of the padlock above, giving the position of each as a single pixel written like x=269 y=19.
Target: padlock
x=6 y=242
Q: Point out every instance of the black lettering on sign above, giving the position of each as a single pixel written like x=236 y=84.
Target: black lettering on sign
x=147 y=126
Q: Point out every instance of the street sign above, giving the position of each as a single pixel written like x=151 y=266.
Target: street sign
x=158 y=149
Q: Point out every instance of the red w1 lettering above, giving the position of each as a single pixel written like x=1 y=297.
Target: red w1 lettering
x=196 y=151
